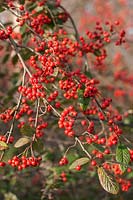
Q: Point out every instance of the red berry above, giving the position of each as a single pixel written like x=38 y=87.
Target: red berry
x=93 y=163
x=78 y=168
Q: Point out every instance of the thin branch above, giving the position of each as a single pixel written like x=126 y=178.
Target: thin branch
x=37 y=112
x=70 y=147
x=99 y=106
x=29 y=48
x=80 y=143
x=19 y=56
x=17 y=107
x=57 y=113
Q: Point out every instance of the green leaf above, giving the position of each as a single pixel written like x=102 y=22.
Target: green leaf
x=1 y=9
x=15 y=78
x=38 y=146
x=22 y=2
x=107 y=181
x=26 y=54
x=23 y=29
x=3 y=146
x=129 y=175
x=122 y=156
x=21 y=142
x=82 y=100
x=15 y=59
x=81 y=94
x=9 y=153
x=97 y=52
x=88 y=74
x=86 y=103
x=5 y=59
x=27 y=130
x=80 y=161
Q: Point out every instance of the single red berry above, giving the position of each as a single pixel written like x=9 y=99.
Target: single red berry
x=78 y=168
x=2 y=164
x=93 y=163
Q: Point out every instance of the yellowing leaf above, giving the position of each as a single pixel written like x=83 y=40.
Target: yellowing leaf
x=55 y=73
x=107 y=181
x=3 y=146
x=22 y=141
x=80 y=161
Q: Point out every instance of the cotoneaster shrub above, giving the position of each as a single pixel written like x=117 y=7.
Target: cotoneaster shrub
x=53 y=93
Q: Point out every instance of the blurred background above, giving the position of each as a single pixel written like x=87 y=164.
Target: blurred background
x=119 y=63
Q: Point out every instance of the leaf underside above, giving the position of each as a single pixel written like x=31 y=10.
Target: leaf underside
x=80 y=161
x=107 y=181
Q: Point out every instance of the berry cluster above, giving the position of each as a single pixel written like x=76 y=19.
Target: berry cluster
x=24 y=162
x=4 y=34
x=63 y=161
x=63 y=176
x=67 y=120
